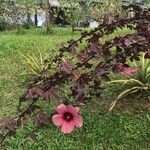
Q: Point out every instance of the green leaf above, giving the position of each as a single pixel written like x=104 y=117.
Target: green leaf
x=126 y=92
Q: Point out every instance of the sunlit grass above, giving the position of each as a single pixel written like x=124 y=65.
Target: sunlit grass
x=13 y=68
x=118 y=130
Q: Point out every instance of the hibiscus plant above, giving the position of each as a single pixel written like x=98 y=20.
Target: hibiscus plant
x=90 y=62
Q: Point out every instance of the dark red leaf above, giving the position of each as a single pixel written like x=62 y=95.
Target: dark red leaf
x=51 y=94
x=82 y=57
x=10 y=124
x=24 y=120
x=81 y=95
x=66 y=66
x=33 y=136
x=96 y=49
x=73 y=46
x=34 y=92
x=41 y=119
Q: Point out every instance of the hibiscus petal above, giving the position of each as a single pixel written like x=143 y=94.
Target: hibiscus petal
x=67 y=127
x=73 y=110
x=61 y=109
x=58 y=120
x=129 y=71
x=78 y=121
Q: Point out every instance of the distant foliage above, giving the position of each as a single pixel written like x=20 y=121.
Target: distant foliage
x=82 y=12
x=11 y=14
x=90 y=62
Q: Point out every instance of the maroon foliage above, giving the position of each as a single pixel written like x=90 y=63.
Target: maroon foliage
x=41 y=119
x=10 y=124
x=88 y=66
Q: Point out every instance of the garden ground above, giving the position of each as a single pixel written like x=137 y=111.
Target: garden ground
x=122 y=129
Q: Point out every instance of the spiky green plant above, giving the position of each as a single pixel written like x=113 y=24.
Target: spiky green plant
x=138 y=84
x=144 y=65
x=35 y=63
x=130 y=86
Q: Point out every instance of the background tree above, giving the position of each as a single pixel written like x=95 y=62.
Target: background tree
x=75 y=11
x=3 y=20
x=88 y=9
x=29 y=6
x=45 y=6
x=99 y=10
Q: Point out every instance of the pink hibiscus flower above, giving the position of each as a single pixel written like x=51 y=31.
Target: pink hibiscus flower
x=126 y=70
x=67 y=118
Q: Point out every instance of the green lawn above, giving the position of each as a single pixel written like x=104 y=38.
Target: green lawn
x=12 y=68
x=121 y=130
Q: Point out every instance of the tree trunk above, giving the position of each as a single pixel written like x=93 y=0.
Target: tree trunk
x=17 y=23
x=16 y=18
x=36 y=18
x=73 y=28
x=18 y=28
x=28 y=19
x=47 y=17
x=47 y=21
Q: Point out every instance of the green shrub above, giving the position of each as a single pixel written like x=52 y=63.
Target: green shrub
x=3 y=24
